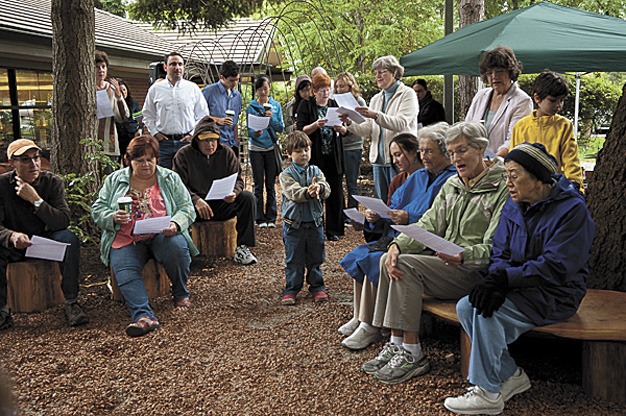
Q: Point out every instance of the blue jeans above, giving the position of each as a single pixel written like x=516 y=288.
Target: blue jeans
x=490 y=363
x=167 y=150
x=127 y=262
x=304 y=247
x=383 y=174
x=264 y=172
x=352 y=162
x=69 y=265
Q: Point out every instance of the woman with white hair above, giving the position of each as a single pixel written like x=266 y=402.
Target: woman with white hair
x=392 y=111
x=465 y=212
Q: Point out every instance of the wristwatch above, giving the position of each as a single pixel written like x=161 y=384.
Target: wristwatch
x=38 y=203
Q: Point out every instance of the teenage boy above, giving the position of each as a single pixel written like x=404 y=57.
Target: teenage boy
x=547 y=127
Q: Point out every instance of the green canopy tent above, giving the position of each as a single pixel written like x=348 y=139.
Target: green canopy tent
x=543 y=35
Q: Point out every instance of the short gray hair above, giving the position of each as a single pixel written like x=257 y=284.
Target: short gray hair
x=473 y=131
x=437 y=133
x=390 y=63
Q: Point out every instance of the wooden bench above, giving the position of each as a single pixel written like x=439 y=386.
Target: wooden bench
x=154 y=278
x=34 y=285
x=600 y=324
x=215 y=238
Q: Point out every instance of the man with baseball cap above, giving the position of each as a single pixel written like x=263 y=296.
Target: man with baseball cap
x=205 y=161
x=32 y=202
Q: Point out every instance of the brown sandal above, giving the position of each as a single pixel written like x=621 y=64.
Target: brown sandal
x=143 y=325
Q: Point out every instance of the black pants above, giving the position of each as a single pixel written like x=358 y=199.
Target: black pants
x=244 y=208
x=335 y=204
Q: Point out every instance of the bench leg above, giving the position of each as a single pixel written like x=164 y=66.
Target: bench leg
x=603 y=370
x=465 y=346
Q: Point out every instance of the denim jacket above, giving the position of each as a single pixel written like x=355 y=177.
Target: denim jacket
x=177 y=204
x=296 y=197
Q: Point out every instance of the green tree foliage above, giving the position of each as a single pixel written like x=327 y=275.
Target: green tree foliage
x=348 y=36
x=116 y=7
x=188 y=15
x=615 y=8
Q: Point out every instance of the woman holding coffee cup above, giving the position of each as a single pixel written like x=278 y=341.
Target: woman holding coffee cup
x=266 y=164
x=140 y=191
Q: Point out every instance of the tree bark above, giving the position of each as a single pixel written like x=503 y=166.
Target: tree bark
x=607 y=204
x=73 y=69
x=470 y=11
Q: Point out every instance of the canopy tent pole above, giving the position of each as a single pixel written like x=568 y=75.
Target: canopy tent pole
x=448 y=80
x=577 y=105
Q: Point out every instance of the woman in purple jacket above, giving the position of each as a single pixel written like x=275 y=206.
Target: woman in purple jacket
x=537 y=276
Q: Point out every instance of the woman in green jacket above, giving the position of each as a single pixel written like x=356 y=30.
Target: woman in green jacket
x=154 y=192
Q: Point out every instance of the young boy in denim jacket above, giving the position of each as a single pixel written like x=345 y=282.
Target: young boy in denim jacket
x=304 y=187
x=547 y=127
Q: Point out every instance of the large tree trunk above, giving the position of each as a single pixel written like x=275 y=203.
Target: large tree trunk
x=470 y=11
x=73 y=69
x=606 y=200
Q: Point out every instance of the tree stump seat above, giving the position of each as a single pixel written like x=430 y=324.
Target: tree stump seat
x=600 y=324
x=34 y=285
x=215 y=238
x=154 y=278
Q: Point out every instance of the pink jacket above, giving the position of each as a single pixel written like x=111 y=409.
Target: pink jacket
x=516 y=105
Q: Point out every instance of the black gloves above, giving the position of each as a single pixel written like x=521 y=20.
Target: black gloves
x=488 y=295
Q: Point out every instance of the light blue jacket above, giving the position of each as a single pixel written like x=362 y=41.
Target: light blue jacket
x=175 y=196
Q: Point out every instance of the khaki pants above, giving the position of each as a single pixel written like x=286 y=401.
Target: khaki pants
x=364 y=301
x=399 y=302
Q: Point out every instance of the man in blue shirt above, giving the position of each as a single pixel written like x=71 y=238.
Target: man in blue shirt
x=221 y=97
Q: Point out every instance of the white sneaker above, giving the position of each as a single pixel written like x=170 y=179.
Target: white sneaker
x=349 y=327
x=361 y=339
x=243 y=255
x=262 y=225
x=271 y=225
x=475 y=402
x=515 y=385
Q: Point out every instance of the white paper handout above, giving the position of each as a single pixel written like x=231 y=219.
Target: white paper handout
x=222 y=187
x=152 y=225
x=44 y=248
x=430 y=240
x=257 y=123
x=347 y=104
x=333 y=117
x=354 y=215
x=103 y=104
x=375 y=204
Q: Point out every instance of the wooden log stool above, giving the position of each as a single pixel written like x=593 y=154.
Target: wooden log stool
x=215 y=238
x=34 y=285
x=154 y=278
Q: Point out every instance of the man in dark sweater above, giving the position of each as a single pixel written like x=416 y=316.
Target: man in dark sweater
x=205 y=161
x=32 y=202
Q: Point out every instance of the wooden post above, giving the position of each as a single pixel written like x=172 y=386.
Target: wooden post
x=215 y=238
x=603 y=370
x=34 y=286
x=154 y=278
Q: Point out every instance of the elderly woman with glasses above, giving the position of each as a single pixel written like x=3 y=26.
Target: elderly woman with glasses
x=326 y=149
x=392 y=111
x=503 y=104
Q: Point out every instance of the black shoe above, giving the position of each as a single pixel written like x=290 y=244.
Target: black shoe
x=6 y=320
x=75 y=314
x=332 y=237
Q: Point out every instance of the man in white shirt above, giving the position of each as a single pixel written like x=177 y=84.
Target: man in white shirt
x=172 y=109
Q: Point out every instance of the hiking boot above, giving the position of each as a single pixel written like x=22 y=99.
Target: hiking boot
x=143 y=325
x=349 y=327
x=244 y=256
x=475 y=402
x=515 y=384
x=361 y=339
x=6 y=320
x=288 y=299
x=75 y=314
x=402 y=367
x=383 y=357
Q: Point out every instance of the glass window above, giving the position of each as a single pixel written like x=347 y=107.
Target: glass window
x=5 y=98
x=34 y=88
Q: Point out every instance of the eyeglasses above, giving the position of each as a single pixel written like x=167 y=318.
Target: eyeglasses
x=427 y=152
x=512 y=178
x=496 y=72
x=27 y=159
x=324 y=91
x=380 y=72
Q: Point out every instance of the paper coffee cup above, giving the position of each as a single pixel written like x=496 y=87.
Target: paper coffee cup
x=230 y=114
x=267 y=107
x=125 y=203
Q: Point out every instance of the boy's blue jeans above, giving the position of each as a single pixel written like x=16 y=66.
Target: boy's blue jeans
x=304 y=247
x=127 y=262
